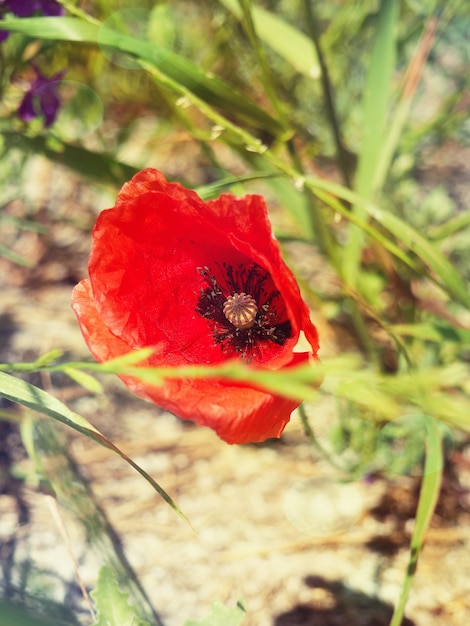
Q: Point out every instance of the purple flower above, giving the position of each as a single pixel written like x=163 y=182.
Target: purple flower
x=26 y=8
x=41 y=99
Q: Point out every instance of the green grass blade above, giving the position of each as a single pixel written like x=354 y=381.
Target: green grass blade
x=85 y=380
x=58 y=475
x=377 y=96
x=291 y=44
x=402 y=109
x=371 y=230
x=14 y=257
x=442 y=271
x=455 y=224
x=430 y=488
x=285 y=192
x=376 y=105
x=98 y=166
x=213 y=190
x=208 y=88
x=449 y=277
x=22 y=392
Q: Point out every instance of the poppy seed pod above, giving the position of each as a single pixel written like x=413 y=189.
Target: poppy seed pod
x=205 y=282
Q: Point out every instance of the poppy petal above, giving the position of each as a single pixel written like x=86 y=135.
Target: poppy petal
x=162 y=264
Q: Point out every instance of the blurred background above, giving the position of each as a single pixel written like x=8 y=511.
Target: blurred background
x=351 y=118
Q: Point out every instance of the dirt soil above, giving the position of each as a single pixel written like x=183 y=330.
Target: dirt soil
x=273 y=525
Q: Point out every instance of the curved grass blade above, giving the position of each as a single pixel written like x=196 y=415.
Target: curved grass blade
x=450 y=279
x=213 y=190
x=26 y=394
x=14 y=257
x=208 y=88
x=430 y=488
x=289 y=43
x=437 y=331
x=102 y=167
x=443 y=272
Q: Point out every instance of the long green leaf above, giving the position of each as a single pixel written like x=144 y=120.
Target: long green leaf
x=376 y=105
x=14 y=257
x=443 y=272
x=438 y=331
x=26 y=394
x=449 y=277
x=291 y=44
x=403 y=106
x=377 y=96
x=102 y=167
x=430 y=488
x=208 y=88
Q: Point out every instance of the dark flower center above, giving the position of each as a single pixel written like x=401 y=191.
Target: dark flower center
x=243 y=309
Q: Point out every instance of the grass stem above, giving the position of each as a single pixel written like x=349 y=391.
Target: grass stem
x=327 y=86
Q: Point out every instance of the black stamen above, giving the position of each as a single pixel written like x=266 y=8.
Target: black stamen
x=271 y=323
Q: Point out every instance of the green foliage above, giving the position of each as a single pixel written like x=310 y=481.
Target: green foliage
x=23 y=393
x=293 y=97
x=112 y=604
x=220 y=615
x=430 y=488
x=12 y=615
x=178 y=69
x=291 y=44
x=375 y=111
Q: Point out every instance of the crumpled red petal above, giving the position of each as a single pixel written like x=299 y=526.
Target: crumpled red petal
x=143 y=289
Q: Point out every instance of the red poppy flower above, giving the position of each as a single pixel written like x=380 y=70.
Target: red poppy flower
x=205 y=282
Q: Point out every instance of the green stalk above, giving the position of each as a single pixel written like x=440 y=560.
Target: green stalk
x=260 y=53
x=323 y=236
x=314 y=441
x=328 y=94
x=430 y=488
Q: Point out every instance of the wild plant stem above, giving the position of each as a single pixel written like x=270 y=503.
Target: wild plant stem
x=314 y=441
x=328 y=94
x=320 y=229
x=429 y=493
x=260 y=53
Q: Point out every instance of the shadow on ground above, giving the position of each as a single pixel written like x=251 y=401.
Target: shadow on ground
x=334 y=604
